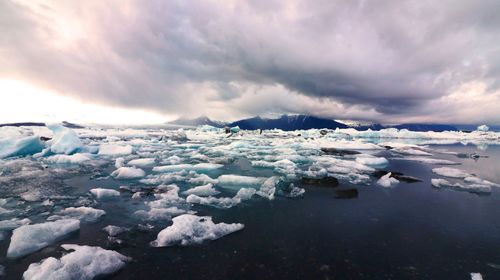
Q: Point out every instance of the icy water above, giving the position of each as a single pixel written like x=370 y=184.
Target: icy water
x=406 y=231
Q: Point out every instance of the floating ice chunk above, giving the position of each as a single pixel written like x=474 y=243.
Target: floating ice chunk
x=474 y=188
x=64 y=141
x=479 y=181
x=84 y=263
x=431 y=160
x=450 y=172
x=235 y=129
x=200 y=167
x=284 y=166
x=128 y=173
x=101 y=193
x=114 y=230
x=69 y=159
x=30 y=238
x=411 y=151
x=172 y=160
x=157 y=214
x=87 y=214
x=191 y=229
x=137 y=195
x=205 y=190
x=476 y=276
x=223 y=202
x=295 y=191
x=142 y=162
x=387 y=181
x=371 y=160
x=268 y=188
x=483 y=128
x=115 y=150
x=12 y=147
x=203 y=179
x=13 y=223
x=238 y=180
x=119 y=162
x=350 y=145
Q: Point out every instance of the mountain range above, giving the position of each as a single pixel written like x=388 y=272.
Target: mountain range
x=295 y=122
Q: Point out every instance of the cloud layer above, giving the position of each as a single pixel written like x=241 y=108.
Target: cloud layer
x=388 y=61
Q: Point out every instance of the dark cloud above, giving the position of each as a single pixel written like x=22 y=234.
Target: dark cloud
x=394 y=58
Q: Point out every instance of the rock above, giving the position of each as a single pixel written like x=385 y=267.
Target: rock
x=346 y=193
x=330 y=182
x=338 y=152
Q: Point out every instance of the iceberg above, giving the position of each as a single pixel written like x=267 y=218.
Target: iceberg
x=114 y=230
x=387 y=181
x=158 y=214
x=64 y=141
x=473 y=188
x=13 y=223
x=483 y=128
x=69 y=159
x=142 y=162
x=200 y=167
x=30 y=238
x=12 y=147
x=86 y=214
x=84 y=263
x=239 y=180
x=128 y=173
x=101 y=193
x=451 y=172
x=115 y=150
x=190 y=229
x=372 y=160
x=205 y=190
x=223 y=202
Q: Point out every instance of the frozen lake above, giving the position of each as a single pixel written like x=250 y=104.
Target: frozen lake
x=285 y=217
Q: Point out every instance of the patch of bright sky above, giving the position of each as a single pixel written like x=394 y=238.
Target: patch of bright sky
x=22 y=102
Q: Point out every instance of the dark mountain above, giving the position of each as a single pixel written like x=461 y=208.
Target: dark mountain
x=71 y=125
x=23 y=124
x=197 y=122
x=424 y=127
x=288 y=123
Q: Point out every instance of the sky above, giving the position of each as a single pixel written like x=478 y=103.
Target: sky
x=141 y=61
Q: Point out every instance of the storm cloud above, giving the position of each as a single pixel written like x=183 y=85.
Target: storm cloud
x=389 y=61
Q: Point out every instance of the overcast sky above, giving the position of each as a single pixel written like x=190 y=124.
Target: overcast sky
x=149 y=61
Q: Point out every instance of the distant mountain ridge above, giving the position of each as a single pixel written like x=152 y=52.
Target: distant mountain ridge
x=288 y=123
x=303 y=122
x=198 y=121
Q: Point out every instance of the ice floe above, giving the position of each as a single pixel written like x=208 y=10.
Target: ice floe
x=86 y=214
x=64 y=141
x=474 y=188
x=142 y=162
x=69 y=159
x=450 y=172
x=223 y=202
x=84 y=262
x=200 y=167
x=30 y=238
x=115 y=150
x=128 y=173
x=114 y=230
x=387 y=181
x=205 y=190
x=191 y=229
x=101 y=193
x=12 y=147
